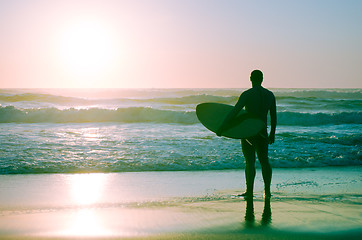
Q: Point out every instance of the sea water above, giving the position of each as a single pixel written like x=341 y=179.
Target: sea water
x=124 y=130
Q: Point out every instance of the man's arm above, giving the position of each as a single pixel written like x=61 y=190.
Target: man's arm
x=232 y=114
x=273 y=121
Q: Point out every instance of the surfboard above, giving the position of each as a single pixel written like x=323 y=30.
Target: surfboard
x=244 y=125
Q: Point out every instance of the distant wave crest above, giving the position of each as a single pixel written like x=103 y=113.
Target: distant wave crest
x=36 y=97
x=293 y=101
x=48 y=98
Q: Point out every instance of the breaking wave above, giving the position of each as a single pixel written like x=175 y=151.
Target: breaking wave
x=10 y=114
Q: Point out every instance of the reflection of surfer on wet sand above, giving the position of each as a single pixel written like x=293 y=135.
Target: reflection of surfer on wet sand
x=250 y=217
x=257 y=101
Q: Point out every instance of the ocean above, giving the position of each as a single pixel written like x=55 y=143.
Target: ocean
x=137 y=130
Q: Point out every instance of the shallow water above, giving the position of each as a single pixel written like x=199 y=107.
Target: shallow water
x=121 y=130
x=311 y=201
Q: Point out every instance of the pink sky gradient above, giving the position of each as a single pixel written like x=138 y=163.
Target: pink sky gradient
x=187 y=44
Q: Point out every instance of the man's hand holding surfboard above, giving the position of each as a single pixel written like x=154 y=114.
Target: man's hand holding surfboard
x=216 y=118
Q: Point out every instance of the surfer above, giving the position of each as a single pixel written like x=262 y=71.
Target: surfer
x=257 y=101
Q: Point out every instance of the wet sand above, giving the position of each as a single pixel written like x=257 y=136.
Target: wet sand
x=319 y=203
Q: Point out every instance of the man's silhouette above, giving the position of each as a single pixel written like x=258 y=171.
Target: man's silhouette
x=257 y=101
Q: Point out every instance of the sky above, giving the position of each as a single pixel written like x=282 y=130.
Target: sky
x=180 y=43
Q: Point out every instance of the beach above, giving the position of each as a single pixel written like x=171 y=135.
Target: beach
x=125 y=120
x=137 y=163
x=306 y=203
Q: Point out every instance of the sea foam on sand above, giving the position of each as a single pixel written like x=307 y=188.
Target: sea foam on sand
x=319 y=203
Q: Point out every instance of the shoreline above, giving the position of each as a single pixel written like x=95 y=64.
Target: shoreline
x=317 y=203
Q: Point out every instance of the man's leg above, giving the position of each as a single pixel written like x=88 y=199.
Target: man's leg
x=266 y=216
x=249 y=154
x=249 y=213
x=262 y=152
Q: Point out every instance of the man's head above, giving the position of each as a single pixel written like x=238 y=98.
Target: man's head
x=256 y=77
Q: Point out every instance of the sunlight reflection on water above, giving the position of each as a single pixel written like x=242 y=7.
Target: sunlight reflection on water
x=87 y=189
x=86 y=222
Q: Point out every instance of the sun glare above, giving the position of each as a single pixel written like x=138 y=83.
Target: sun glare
x=86 y=48
x=85 y=222
x=87 y=188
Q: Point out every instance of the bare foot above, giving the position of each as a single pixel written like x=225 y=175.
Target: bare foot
x=246 y=195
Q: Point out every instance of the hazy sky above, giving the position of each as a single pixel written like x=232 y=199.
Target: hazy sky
x=183 y=43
